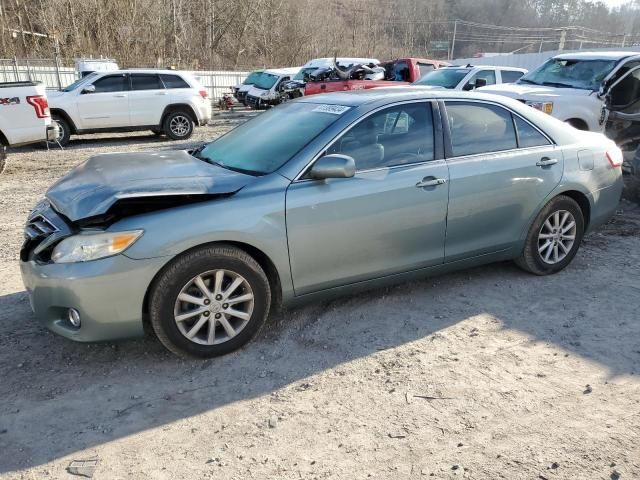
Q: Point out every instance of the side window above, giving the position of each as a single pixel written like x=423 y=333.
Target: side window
x=425 y=68
x=510 y=76
x=174 y=81
x=394 y=136
x=111 y=83
x=627 y=91
x=479 y=128
x=527 y=135
x=146 y=82
x=488 y=76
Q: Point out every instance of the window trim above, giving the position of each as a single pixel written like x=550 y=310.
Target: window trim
x=173 y=75
x=448 y=147
x=127 y=82
x=146 y=74
x=438 y=139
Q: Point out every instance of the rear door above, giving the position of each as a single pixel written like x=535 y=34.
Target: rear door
x=501 y=170
x=389 y=218
x=107 y=106
x=148 y=99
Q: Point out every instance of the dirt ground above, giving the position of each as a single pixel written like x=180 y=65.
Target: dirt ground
x=483 y=374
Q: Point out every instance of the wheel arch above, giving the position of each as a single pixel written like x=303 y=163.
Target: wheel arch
x=258 y=255
x=3 y=139
x=179 y=107
x=66 y=117
x=578 y=123
x=583 y=202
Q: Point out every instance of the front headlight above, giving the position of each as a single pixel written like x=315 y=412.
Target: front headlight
x=92 y=246
x=265 y=94
x=546 y=107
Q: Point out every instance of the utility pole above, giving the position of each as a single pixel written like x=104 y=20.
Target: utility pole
x=563 y=39
x=624 y=40
x=453 y=41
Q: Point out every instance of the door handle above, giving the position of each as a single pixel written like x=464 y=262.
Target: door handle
x=431 y=182
x=162 y=93
x=120 y=96
x=545 y=162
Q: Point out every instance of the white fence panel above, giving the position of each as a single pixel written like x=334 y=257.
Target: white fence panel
x=219 y=82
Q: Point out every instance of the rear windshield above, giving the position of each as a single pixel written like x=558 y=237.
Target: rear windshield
x=268 y=141
x=444 y=77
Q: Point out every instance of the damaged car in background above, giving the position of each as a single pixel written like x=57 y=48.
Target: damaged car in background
x=319 y=196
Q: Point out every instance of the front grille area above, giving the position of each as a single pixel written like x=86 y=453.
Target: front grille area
x=43 y=230
x=252 y=101
x=241 y=96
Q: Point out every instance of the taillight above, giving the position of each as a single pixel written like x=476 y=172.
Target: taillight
x=615 y=157
x=204 y=93
x=39 y=102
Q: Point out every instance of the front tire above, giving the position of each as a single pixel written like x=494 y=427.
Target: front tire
x=178 y=125
x=209 y=302
x=65 y=131
x=554 y=237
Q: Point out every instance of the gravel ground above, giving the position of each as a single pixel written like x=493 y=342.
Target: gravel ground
x=487 y=373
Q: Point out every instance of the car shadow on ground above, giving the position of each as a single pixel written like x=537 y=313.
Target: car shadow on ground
x=108 y=391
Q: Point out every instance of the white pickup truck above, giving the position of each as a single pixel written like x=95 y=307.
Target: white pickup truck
x=24 y=116
x=582 y=89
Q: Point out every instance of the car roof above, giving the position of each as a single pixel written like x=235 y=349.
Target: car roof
x=354 y=98
x=497 y=67
x=149 y=70
x=613 y=55
x=283 y=71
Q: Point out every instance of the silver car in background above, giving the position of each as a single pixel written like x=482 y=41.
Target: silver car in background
x=328 y=194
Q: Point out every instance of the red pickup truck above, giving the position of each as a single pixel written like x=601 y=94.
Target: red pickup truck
x=402 y=70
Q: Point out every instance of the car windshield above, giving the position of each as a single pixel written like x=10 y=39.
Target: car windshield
x=444 y=77
x=268 y=141
x=567 y=73
x=79 y=82
x=266 y=81
x=252 y=78
x=301 y=75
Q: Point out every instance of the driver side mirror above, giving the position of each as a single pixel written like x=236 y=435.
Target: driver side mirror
x=89 y=89
x=333 y=166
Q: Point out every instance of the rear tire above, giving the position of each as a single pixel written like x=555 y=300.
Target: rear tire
x=187 y=298
x=65 y=131
x=178 y=125
x=554 y=237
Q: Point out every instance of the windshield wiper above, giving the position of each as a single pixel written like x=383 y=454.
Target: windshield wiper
x=558 y=85
x=196 y=152
x=524 y=80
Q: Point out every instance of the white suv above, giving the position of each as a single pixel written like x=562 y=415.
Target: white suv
x=469 y=77
x=163 y=101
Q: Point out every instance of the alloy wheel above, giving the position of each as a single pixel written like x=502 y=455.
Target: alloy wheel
x=180 y=125
x=557 y=237
x=214 y=307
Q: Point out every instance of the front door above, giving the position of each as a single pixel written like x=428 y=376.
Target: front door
x=107 y=106
x=501 y=170
x=389 y=218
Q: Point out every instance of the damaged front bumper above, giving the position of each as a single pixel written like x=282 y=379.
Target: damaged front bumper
x=108 y=294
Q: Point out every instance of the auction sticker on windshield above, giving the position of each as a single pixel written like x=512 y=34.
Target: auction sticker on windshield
x=335 y=109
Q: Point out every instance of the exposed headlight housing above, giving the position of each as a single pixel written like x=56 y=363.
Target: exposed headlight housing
x=546 y=107
x=85 y=247
x=265 y=94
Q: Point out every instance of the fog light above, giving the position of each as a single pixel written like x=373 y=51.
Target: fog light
x=74 y=317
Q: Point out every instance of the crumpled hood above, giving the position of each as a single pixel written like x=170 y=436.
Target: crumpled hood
x=93 y=187
x=524 y=91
